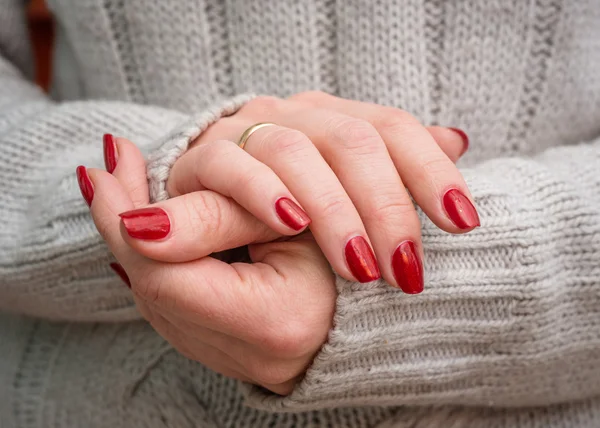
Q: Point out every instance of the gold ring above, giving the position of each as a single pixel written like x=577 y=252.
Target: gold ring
x=248 y=132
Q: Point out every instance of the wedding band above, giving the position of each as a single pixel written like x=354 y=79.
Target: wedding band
x=248 y=132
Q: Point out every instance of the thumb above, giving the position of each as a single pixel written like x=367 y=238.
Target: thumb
x=108 y=199
x=298 y=256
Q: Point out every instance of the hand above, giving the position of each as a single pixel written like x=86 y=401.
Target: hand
x=341 y=166
x=260 y=323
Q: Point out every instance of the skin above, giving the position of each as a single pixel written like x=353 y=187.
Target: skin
x=349 y=165
x=261 y=322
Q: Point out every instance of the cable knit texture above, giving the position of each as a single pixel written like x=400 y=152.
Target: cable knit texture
x=507 y=332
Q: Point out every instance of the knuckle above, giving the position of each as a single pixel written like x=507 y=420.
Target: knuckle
x=357 y=135
x=392 y=210
x=332 y=204
x=435 y=166
x=395 y=121
x=287 y=142
x=262 y=106
x=211 y=150
x=310 y=97
x=204 y=214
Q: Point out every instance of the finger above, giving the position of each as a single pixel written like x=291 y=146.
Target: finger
x=336 y=223
x=107 y=198
x=191 y=226
x=433 y=180
x=453 y=142
x=359 y=157
x=125 y=161
x=223 y=167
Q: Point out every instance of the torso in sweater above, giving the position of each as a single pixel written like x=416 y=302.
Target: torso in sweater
x=518 y=76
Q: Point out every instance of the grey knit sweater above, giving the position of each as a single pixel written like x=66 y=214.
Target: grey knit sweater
x=507 y=333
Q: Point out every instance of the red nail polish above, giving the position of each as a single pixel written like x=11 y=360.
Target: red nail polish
x=361 y=260
x=146 y=223
x=121 y=272
x=85 y=185
x=464 y=137
x=408 y=268
x=110 y=152
x=460 y=209
x=291 y=214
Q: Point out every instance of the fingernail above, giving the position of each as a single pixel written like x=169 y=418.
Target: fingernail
x=85 y=185
x=408 y=268
x=121 y=272
x=110 y=152
x=291 y=214
x=464 y=137
x=361 y=260
x=146 y=223
x=460 y=210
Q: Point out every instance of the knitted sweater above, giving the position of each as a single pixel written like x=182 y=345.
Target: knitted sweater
x=507 y=332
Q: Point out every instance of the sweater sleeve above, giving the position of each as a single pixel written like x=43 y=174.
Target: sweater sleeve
x=52 y=261
x=510 y=315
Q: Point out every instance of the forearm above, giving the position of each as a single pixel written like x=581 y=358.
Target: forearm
x=510 y=312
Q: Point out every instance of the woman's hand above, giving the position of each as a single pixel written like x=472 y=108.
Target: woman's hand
x=342 y=166
x=261 y=322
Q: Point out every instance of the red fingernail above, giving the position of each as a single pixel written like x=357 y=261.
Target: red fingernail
x=146 y=223
x=464 y=137
x=361 y=260
x=408 y=268
x=110 y=152
x=460 y=210
x=121 y=272
x=291 y=214
x=85 y=185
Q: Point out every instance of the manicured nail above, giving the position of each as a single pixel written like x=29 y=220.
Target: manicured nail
x=85 y=185
x=110 y=152
x=291 y=214
x=408 y=268
x=361 y=260
x=121 y=272
x=464 y=137
x=146 y=223
x=460 y=209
